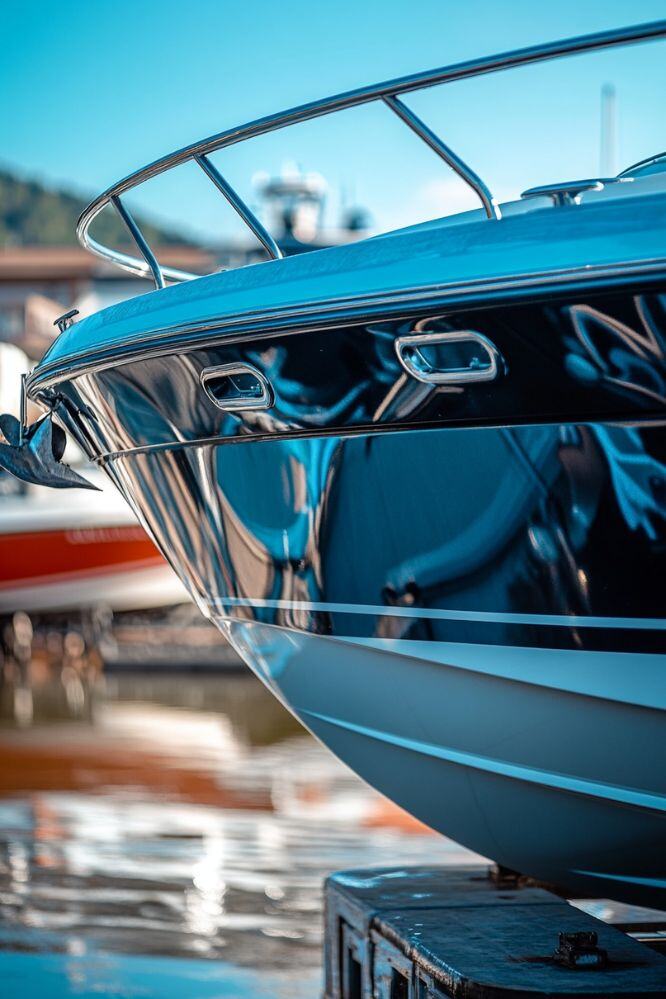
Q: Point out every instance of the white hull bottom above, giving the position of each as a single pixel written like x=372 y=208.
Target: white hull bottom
x=548 y=761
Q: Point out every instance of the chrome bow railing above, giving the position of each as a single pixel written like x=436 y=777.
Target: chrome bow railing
x=388 y=92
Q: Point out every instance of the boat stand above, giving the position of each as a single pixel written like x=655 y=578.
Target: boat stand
x=435 y=932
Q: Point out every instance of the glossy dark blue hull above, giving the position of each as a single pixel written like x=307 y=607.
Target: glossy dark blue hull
x=471 y=619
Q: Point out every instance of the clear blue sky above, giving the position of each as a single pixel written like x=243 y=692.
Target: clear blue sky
x=93 y=89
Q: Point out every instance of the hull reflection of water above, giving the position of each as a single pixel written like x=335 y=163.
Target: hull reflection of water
x=166 y=830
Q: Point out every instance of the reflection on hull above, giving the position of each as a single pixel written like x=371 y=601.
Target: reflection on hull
x=484 y=644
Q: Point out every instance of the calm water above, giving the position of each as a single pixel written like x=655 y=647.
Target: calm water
x=176 y=845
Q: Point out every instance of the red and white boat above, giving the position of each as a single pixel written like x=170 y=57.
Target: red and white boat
x=63 y=551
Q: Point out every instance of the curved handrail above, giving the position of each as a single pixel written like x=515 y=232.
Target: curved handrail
x=649 y=161
x=387 y=92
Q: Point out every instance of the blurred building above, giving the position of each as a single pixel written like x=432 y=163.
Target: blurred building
x=293 y=205
x=39 y=283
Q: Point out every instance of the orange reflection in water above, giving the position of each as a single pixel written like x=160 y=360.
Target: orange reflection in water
x=190 y=817
x=167 y=751
x=93 y=768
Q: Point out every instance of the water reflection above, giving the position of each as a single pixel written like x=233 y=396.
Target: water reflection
x=191 y=820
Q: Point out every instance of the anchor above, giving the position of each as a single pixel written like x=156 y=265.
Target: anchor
x=34 y=453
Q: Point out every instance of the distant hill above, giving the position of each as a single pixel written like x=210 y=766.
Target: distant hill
x=34 y=215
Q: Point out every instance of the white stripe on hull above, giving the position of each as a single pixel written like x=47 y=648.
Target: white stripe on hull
x=219 y=606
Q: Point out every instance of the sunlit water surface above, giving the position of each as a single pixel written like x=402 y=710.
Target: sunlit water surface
x=177 y=845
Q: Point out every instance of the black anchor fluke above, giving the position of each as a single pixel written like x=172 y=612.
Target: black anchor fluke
x=34 y=454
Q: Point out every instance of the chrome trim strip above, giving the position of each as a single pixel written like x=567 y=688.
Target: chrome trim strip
x=490 y=617
x=352 y=98
x=363 y=429
x=503 y=768
x=333 y=312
